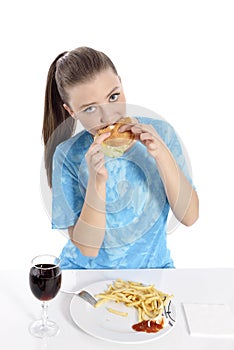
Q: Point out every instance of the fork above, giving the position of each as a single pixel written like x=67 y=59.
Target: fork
x=84 y=295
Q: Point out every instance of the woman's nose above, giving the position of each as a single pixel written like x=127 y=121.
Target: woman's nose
x=110 y=112
x=106 y=114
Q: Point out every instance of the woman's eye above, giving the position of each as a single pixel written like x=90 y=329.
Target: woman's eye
x=114 y=97
x=90 y=109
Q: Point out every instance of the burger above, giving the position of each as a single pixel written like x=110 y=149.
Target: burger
x=118 y=142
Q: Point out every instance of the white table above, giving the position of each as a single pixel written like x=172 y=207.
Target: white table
x=19 y=307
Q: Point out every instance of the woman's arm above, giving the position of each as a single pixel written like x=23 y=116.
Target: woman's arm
x=181 y=195
x=89 y=231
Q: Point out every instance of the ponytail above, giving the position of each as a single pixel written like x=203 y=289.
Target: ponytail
x=58 y=125
x=67 y=70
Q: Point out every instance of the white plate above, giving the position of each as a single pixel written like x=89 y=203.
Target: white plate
x=102 y=324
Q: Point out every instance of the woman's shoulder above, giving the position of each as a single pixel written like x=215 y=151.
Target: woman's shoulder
x=163 y=127
x=76 y=145
x=157 y=121
x=77 y=142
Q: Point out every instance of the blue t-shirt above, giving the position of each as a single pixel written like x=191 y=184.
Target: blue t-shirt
x=136 y=203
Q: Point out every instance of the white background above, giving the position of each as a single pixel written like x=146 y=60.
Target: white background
x=175 y=58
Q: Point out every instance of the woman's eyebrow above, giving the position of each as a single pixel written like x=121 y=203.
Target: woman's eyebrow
x=116 y=87
x=94 y=103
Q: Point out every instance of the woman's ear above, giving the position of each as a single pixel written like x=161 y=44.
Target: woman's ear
x=68 y=109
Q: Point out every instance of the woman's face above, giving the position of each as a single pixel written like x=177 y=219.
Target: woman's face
x=98 y=102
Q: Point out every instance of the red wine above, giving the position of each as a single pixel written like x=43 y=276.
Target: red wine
x=45 y=281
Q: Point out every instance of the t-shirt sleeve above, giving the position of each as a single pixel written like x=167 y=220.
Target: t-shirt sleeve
x=67 y=199
x=179 y=153
x=175 y=145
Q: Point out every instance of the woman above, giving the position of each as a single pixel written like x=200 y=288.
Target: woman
x=115 y=209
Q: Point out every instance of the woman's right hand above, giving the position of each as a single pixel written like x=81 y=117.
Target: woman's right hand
x=96 y=161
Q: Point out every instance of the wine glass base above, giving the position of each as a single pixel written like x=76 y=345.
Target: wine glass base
x=40 y=330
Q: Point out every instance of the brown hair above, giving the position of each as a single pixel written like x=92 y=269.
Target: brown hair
x=67 y=70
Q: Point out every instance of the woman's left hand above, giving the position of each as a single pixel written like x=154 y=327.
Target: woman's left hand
x=147 y=135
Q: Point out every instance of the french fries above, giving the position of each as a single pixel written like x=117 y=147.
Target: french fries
x=117 y=312
x=148 y=301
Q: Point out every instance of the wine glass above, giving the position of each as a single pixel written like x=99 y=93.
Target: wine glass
x=45 y=281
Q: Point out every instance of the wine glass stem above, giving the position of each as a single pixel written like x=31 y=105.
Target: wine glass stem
x=44 y=313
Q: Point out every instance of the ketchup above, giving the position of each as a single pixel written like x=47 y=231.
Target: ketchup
x=148 y=326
